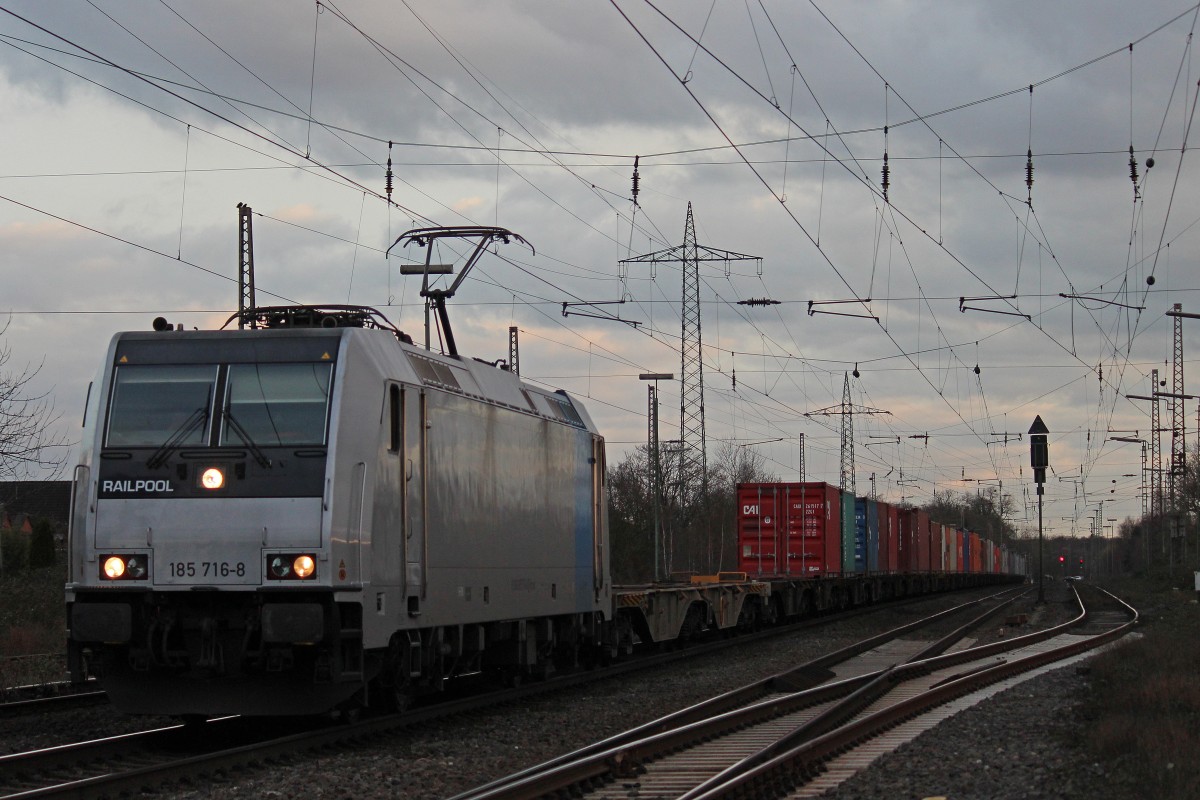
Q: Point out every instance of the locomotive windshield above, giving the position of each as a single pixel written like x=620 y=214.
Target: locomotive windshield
x=261 y=405
x=151 y=404
x=276 y=404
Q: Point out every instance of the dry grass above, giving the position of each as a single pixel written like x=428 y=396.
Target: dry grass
x=32 y=626
x=1144 y=707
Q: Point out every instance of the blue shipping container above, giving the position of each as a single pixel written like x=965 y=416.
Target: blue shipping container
x=872 y=536
x=860 y=534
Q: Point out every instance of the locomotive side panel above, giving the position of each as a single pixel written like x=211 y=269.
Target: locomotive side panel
x=510 y=517
x=484 y=501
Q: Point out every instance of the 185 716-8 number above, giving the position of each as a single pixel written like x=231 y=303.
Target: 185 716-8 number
x=208 y=569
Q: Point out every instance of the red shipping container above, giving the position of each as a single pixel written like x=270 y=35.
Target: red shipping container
x=893 y=547
x=908 y=540
x=935 y=545
x=947 y=556
x=788 y=529
x=924 y=557
x=885 y=534
x=757 y=537
x=976 y=554
x=958 y=543
x=817 y=509
x=910 y=560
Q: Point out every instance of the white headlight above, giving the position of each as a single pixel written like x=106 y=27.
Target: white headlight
x=304 y=566
x=212 y=478
x=114 y=567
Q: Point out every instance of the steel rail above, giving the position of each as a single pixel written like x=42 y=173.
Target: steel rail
x=622 y=755
x=779 y=769
x=49 y=702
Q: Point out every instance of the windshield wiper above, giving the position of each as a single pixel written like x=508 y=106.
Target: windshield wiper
x=195 y=420
x=254 y=449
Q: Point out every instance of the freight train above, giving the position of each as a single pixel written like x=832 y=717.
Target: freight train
x=812 y=530
x=314 y=514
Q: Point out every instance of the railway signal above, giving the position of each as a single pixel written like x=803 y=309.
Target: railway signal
x=1039 y=459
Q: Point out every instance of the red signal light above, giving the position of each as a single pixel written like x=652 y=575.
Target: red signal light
x=1061 y=559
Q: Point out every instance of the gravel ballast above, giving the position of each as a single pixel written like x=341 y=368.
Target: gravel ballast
x=1020 y=743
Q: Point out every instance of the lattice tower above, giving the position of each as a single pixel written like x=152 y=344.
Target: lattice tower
x=693 y=458
x=846 y=410
x=245 y=263
x=1156 y=494
x=693 y=461
x=1178 y=429
x=846 y=479
x=1145 y=486
x=514 y=353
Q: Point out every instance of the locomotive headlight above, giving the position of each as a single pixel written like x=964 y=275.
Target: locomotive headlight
x=136 y=567
x=292 y=566
x=304 y=566
x=212 y=478
x=124 y=566
x=280 y=567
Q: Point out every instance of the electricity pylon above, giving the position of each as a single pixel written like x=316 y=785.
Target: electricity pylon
x=693 y=460
x=846 y=410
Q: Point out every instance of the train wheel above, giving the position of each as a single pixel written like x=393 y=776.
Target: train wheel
x=349 y=712
x=395 y=680
x=398 y=695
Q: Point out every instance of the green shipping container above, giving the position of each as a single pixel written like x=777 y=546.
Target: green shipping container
x=848 y=533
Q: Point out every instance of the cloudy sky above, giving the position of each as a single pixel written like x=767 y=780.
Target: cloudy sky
x=966 y=300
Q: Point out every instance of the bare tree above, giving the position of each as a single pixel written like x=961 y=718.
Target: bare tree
x=29 y=445
x=630 y=509
x=699 y=537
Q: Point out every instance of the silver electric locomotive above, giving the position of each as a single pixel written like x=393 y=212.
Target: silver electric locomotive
x=314 y=513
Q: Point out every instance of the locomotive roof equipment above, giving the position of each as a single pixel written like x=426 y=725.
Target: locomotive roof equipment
x=427 y=237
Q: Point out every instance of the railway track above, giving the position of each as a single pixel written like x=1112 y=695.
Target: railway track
x=36 y=682
x=800 y=733
x=134 y=762
x=51 y=697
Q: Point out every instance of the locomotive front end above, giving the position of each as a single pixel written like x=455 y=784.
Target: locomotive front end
x=201 y=573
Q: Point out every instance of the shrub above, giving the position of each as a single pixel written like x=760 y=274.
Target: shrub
x=41 y=544
x=14 y=551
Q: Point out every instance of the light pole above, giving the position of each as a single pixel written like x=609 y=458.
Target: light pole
x=655 y=463
x=1039 y=459
x=1112 y=537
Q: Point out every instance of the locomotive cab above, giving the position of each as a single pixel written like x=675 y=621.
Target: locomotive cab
x=199 y=544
